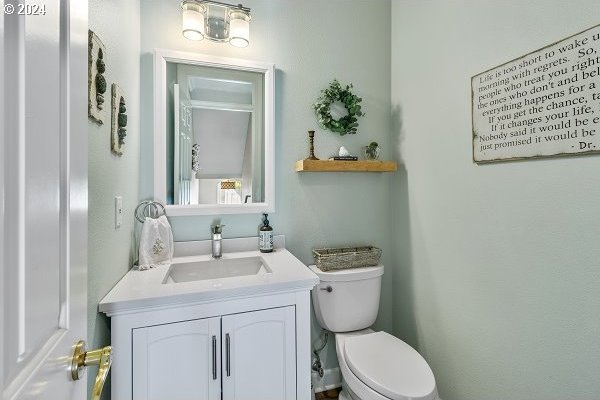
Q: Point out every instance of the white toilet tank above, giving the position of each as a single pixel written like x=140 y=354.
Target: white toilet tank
x=353 y=301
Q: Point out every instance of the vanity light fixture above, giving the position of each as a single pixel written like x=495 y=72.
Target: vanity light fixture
x=219 y=22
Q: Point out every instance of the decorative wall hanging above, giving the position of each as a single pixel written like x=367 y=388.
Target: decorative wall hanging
x=118 y=128
x=347 y=124
x=543 y=104
x=96 y=80
x=196 y=157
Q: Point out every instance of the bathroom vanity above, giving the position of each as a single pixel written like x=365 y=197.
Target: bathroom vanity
x=233 y=328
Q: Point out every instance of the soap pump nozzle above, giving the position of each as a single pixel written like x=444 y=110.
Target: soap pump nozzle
x=217 y=229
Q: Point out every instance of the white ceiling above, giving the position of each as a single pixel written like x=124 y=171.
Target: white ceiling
x=219 y=90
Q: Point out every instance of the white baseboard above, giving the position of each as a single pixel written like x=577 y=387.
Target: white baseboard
x=332 y=378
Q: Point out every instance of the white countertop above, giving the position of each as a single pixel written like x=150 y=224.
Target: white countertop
x=145 y=289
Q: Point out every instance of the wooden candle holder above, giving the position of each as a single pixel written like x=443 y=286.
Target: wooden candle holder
x=311 y=137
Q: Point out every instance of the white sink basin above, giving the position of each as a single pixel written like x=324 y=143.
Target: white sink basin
x=216 y=269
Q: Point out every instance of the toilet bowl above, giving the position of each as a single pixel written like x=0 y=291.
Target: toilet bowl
x=374 y=365
x=379 y=366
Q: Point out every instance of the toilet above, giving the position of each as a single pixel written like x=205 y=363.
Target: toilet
x=374 y=365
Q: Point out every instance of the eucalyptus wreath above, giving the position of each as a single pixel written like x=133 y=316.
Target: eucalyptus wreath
x=347 y=124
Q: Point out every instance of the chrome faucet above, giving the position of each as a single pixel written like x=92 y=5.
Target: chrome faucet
x=216 y=240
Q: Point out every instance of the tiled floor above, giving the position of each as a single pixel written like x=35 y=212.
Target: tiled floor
x=328 y=395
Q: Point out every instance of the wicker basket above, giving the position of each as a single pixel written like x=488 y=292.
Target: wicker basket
x=346 y=257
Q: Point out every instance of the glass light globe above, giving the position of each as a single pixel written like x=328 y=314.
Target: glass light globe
x=239 y=28
x=192 y=25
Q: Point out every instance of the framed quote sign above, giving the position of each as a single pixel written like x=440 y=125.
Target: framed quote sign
x=546 y=103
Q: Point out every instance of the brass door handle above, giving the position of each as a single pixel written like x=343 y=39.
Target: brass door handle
x=83 y=358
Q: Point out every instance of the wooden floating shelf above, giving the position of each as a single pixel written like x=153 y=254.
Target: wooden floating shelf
x=345 y=166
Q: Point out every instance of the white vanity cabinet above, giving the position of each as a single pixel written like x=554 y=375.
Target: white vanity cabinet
x=245 y=337
x=239 y=349
x=249 y=355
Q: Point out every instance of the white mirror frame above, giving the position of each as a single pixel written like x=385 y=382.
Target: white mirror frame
x=161 y=57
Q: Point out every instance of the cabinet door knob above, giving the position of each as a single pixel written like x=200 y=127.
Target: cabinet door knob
x=328 y=288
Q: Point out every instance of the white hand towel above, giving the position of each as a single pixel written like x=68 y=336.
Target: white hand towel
x=156 y=243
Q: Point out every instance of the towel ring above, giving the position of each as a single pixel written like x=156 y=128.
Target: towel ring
x=149 y=209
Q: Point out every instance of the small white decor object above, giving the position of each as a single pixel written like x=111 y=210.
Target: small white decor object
x=156 y=243
x=343 y=152
x=96 y=80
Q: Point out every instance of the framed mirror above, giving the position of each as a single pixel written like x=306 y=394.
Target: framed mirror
x=213 y=134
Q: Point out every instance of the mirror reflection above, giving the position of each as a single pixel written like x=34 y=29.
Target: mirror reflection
x=215 y=135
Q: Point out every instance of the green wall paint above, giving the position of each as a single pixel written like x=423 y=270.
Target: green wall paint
x=310 y=42
x=491 y=271
x=497 y=281
x=110 y=250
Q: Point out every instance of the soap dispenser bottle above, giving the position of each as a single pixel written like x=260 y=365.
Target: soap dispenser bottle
x=265 y=236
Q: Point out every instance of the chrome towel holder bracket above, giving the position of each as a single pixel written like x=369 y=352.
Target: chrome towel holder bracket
x=149 y=209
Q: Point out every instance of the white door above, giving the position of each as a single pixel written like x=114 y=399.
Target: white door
x=43 y=178
x=179 y=361
x=184 y=177
x=259 y=355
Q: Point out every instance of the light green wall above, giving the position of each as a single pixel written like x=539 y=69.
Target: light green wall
x=310 y=42
x=491 y=270
x=110 y=252
x=497 y=280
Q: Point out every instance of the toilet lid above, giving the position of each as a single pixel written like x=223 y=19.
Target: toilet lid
x=389 y=366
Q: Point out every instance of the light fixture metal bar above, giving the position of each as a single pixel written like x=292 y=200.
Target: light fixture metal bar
x=218 y=3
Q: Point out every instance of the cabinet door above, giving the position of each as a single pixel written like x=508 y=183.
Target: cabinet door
x=259 y=355
x=179 y=361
